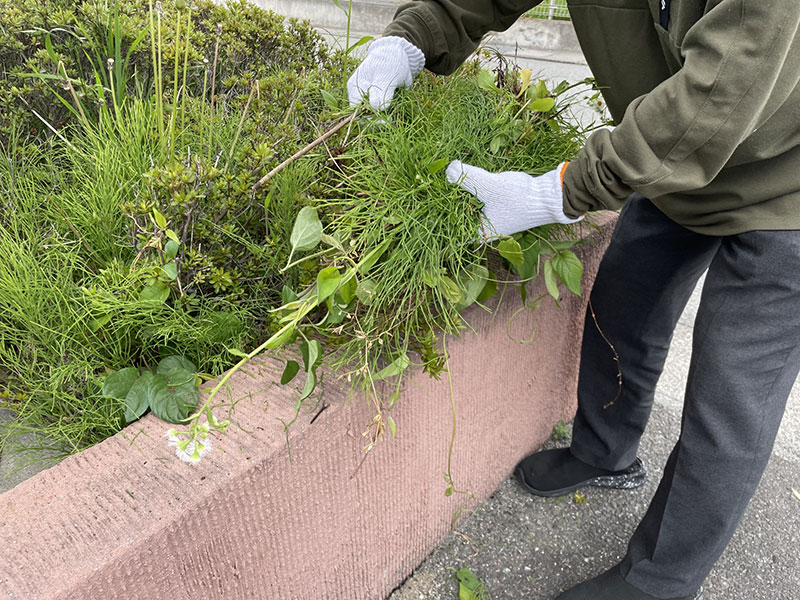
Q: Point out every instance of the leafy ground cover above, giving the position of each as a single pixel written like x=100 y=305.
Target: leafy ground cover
x=141 y=257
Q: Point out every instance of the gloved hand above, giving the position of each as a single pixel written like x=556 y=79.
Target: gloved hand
x=391 y=62
x=513 y=201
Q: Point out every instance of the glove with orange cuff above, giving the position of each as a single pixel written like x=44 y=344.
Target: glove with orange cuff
x=513 y=201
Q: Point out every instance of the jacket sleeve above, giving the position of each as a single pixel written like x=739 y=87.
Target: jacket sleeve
x=448 y=31
x=741 y=61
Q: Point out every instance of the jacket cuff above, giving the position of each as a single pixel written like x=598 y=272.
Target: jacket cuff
x=588 y=185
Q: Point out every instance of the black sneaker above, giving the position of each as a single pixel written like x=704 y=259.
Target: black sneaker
x=558 y=473
x=611 y=586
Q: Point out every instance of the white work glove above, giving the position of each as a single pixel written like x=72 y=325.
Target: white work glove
x=513 y=201
x=391 y=62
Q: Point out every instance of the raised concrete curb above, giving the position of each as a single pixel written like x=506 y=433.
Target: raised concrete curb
x=527 y=39
x=126 y=519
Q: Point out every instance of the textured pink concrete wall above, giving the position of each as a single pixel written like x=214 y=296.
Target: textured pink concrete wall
x=126 y=519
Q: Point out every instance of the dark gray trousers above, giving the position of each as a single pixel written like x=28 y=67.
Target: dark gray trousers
x=745 y=359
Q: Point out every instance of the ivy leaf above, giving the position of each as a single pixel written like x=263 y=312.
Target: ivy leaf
x=498 y=142
x=236 y=352
x=171 y=403
x=472 y=284
x=290 y=371
x=287 y=295
x=557 y=246
x=397 y=366
x=550 y=280
x=307 y=231
x=430 y=277
x=511 y=251
x=312 y=356
x=280 y=337
x=99 y=322
x=569 y=269
x=489 y=290
x=469 y=587
x=137 y=400
x=347 y=290
x=541 y=89
x=327 y=281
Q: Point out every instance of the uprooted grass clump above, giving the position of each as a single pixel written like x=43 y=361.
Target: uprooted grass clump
x=401 y=250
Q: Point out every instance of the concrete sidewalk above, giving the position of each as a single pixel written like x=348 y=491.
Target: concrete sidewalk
x=524 y=547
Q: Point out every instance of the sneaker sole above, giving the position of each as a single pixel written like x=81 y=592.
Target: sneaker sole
x=624 y=481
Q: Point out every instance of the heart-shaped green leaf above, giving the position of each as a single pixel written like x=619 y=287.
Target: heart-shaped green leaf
x=171 y=403
x=118 y=384
x=510 y=249
x=136 y=400
x=289 y=372
x=312 y=356
x=569 y=269
x=170 y=363
x=550 y=280
x=397 y=366
x=307 y=231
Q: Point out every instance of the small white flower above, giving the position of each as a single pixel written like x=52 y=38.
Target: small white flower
x=172 y=437
x=191 y=451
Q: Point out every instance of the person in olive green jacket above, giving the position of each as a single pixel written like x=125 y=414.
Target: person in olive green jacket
x=705 y=164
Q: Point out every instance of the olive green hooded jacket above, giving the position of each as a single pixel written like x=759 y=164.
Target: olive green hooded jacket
x=707 y=106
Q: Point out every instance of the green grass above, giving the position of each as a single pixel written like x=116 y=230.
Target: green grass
x=70 y=283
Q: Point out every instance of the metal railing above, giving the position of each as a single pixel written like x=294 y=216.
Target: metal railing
x=551 y=9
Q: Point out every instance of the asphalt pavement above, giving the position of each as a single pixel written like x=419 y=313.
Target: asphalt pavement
x=524 y=547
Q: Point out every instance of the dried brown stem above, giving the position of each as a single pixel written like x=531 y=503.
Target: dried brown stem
x=74 y=95
x=304 y=151
x=616 y=357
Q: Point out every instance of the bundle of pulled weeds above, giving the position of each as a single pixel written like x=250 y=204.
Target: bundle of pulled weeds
x=392 y=252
